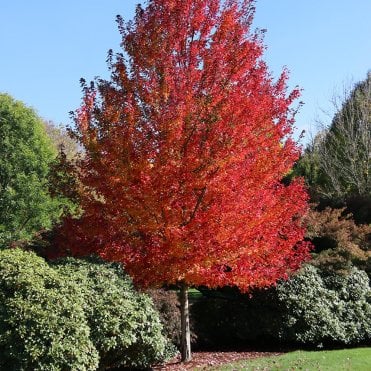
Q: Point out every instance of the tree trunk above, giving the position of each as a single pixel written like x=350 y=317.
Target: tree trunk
x=186 y=333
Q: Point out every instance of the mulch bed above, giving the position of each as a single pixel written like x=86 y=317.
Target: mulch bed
x=212 y=359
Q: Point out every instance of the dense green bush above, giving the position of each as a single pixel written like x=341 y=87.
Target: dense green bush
x=26 y=154
x=326 y=307
x=125 y=327
x=42 y=320
x=74 y=315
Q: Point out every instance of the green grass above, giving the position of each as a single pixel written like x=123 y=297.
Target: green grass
x=336 y=360
x=194 y=294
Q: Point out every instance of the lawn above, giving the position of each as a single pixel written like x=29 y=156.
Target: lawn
x=346 y=359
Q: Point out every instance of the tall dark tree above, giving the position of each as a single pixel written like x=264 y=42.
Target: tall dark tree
x=337 y=163
x=345 y=151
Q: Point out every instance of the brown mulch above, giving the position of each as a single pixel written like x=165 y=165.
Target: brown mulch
x=202 y=360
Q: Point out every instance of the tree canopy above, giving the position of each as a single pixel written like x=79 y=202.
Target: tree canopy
x=25 y=156
x=186 y=147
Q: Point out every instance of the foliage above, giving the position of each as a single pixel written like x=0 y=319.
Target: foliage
x=186 y=146
x=63 y=183
x=76 y=315
x=308 y=167
x=42 y=320
x=339 y=244
x=125 y=327
x=345 y=359
x=167 y=304
x=25 y=157
x=326 y=308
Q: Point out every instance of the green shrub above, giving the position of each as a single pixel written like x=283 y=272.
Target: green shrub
x=74 y=315
x=125 y=327
x=326 y=307
x=42 y=321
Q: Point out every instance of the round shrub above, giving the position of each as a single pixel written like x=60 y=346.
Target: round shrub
x=42 y=321
x=125 y=327
x=326 y=307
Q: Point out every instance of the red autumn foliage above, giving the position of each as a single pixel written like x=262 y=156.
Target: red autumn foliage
x=186 y=146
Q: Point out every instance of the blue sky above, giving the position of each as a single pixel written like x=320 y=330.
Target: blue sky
x=47 y=46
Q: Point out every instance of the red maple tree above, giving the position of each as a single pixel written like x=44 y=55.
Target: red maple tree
x=185 y=150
